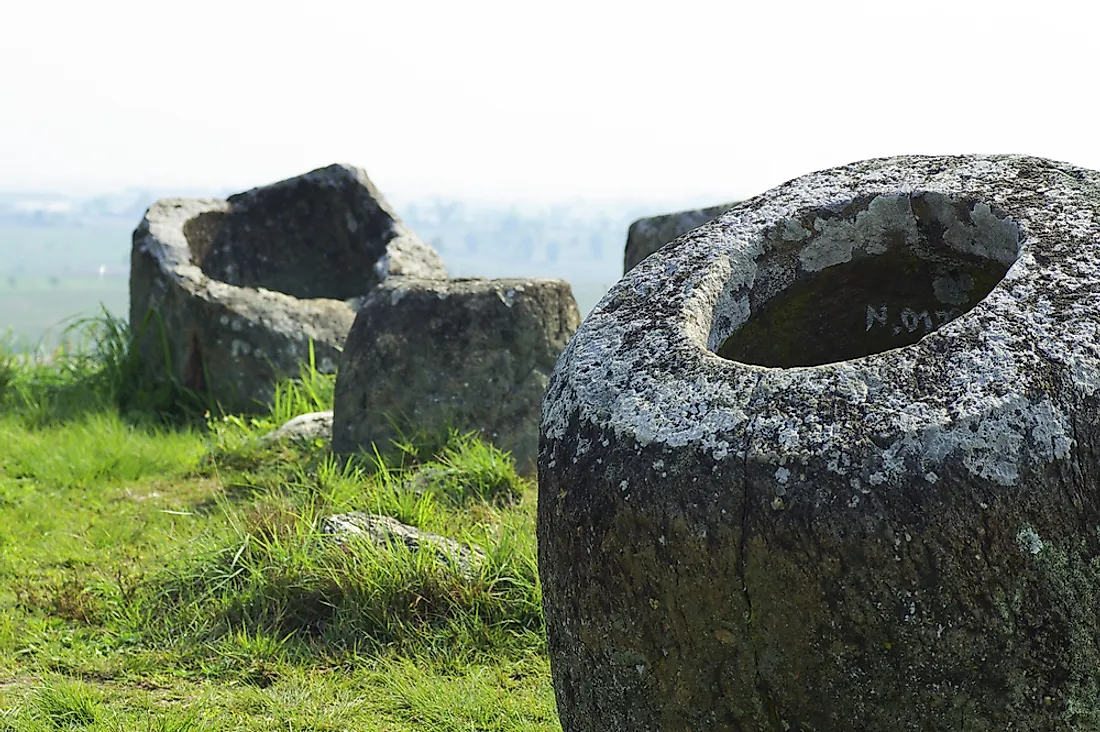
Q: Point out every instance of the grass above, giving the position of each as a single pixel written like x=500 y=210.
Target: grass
x=163 y=568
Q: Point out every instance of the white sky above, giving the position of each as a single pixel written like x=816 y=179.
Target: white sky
x=525 y=100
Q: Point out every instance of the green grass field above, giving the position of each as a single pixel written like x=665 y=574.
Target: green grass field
x=163 y=569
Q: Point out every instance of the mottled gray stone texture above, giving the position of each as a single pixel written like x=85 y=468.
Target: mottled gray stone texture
x=242 y=285
x=647 y=235
x=307 y=427
x=830 y=463
x=384 y=531
x=465 y=354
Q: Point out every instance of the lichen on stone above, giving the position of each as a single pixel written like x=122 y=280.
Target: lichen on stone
x=852 y=422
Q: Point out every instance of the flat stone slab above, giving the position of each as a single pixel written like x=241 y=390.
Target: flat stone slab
x=472 y=355
x=830 y=462
x=232 y=292
x=647 y=235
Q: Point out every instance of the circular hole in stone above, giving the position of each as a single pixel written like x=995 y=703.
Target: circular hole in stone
x=877 y=273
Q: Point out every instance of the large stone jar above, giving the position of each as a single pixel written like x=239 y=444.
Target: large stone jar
x=830 y=463
x=229 y=295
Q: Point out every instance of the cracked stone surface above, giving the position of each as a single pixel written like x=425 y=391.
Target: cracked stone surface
x=829 y=462
x=468 y=354
x=647 y=235
x=241 y=286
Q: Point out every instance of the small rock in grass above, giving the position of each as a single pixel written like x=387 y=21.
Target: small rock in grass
x=385 y=530
x=304 y=427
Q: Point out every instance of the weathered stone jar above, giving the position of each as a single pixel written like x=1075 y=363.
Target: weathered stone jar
x=649 y=234
x=468 y=354
x=243 y=286
x=830 y=462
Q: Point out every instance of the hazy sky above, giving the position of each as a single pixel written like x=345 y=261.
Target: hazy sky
x=532 y=100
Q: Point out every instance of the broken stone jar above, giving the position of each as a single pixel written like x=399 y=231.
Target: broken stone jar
x=830 y=462
x=468 y=354
x=228 y=295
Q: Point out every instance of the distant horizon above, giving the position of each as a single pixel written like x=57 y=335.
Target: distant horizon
x=505 y=103
x=405 y=195
x=438 y=189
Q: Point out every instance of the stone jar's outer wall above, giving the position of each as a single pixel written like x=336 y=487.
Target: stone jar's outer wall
x=212 y=271
x=647 y=235
x=468 y=354
x=909 y=540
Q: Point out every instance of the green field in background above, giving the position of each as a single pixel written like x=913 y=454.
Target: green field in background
x=37 y=307
x=51 y=274
x=64 y=250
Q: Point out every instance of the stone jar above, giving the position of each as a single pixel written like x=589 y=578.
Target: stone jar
x=468 y=354
x=647 y=235
x=830 y=463
x=228 y=295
